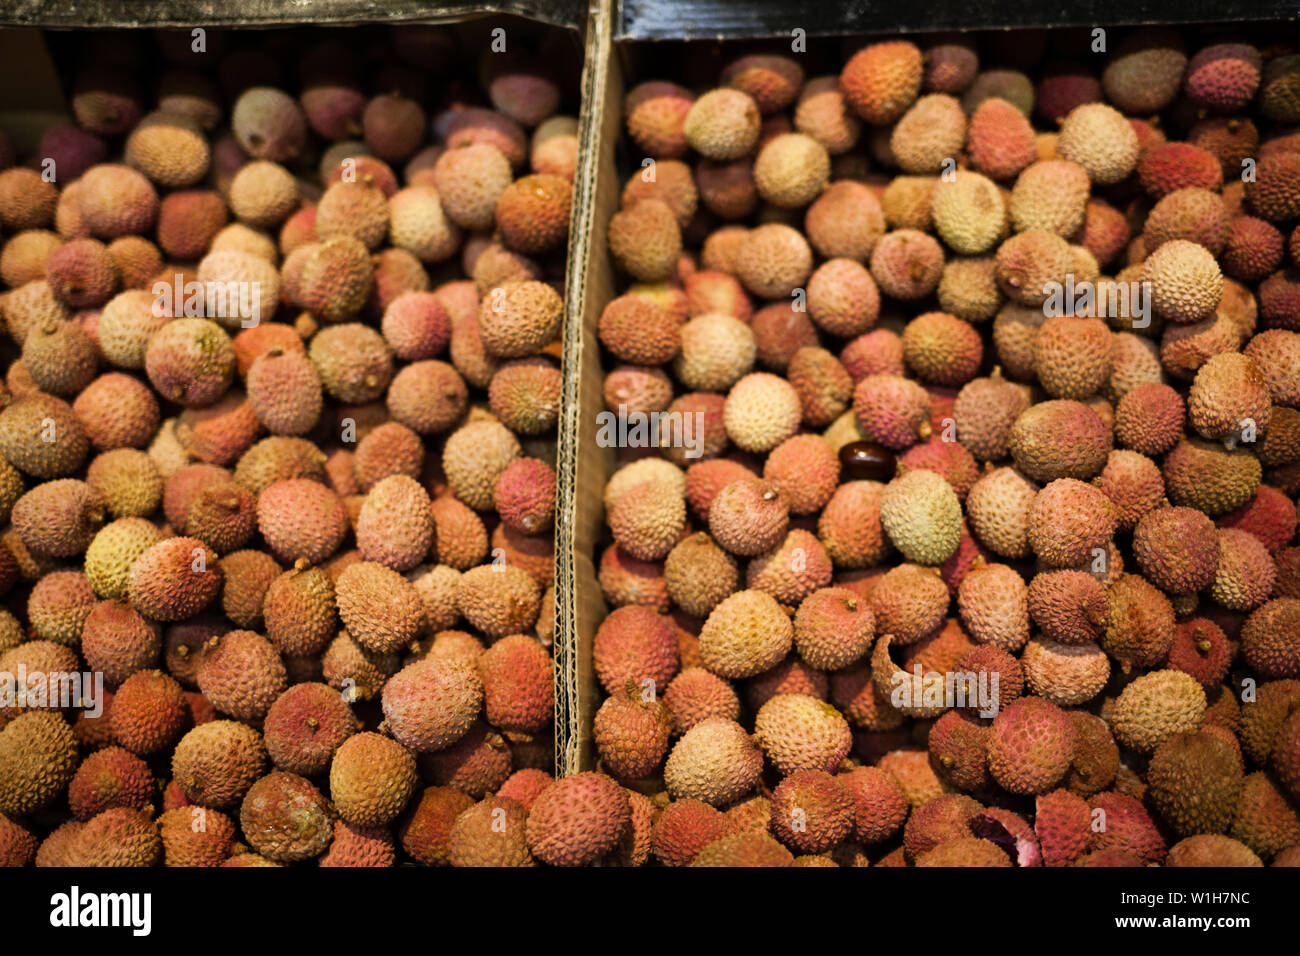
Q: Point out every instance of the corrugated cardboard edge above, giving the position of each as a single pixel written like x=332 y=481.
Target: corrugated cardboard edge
x=581 y=465
x=569 y=14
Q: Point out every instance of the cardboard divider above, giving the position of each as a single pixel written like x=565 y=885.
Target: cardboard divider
x=581 y=465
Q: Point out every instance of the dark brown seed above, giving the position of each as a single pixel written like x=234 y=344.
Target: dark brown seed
x=867 y=461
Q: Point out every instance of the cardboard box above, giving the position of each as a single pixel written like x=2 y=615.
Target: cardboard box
x=36 y=66
x=571 y=14
x=629 y=41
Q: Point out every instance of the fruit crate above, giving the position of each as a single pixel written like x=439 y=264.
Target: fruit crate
x=630 y=41
x=29 y=108
x=40 y=44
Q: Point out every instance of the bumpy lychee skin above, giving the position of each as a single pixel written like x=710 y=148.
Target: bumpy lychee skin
x=285 y=818
x=696 y=695
x=791 y=170
x=941 y=349
x=149 y=713
x=812 y=811
x=431 y=704
x=1140 y=625
x=190 y=361
x=745 y=635
x=577 y=820
x=1068 y=606
x=305 y=726
x=1209 y=477
x=1177 y=549
x=881 y=80
x=372 y=778
x=268 y=124
x=193 y=836
x=833 y=629
x=1149 y=418
x=116 y=837
x=261 y=195
x=284 y=391
x=216 y=762
x=762 y=410
x=58 y=518
x=928 y=134
x=1155 y=707
x=635 y=642
x=637 y=330
x=748 y=517
x=395 y=526
x=242 y=674
x=109 y=778
x=298 y=610
x=1031 y=745
x=684 y=828
x=655 y=114
x=525 y=496
x=301 y=519
x=909 y=603
x=799 y=732
x=907 y=264
x=922 y=516
x=1195 y=780
x=499 y=601
x=1229 y=398
x=22 y=425
x=1100 y=139
x=745 y=848
x=631 y=734
x=174 y=579
x=774 y=260
x=116 y=201
x=645 y=240
x=1186 y=284
x=648 y=520
x=518 y=690
x=1050 y=195
x=379 y=607
x=715 y=762
x=893 y=410
x=1059 y=439
x=1031 y=264
x=722 y=124
x=39 y=755
x=1267 y=641
x=1068 y=521
x=959 y=751
x=999 y=139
